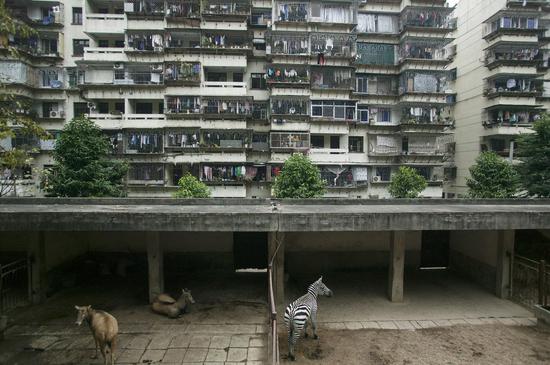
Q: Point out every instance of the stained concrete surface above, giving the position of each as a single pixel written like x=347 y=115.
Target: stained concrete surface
x=228 y=323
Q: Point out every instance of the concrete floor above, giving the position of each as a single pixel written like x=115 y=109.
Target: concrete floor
x=428 y=295
x=228 y=324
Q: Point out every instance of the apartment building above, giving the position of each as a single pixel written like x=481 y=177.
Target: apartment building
x=502 y=86
x=228 y=89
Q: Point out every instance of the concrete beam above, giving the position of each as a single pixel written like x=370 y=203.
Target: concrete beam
x=37 y=258
x=276 y=252
x=396 y=274
x=155 y=261
x=505 y=252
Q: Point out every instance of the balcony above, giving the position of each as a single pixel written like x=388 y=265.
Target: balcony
x=426 y=50
x=511 y=55
x=426 y=116
x=323 y=78
x=143 y=142
x=223 y=88
x=102 y=24
x=213 y=140
x=260 y=142
x=145 y=42
x=286 y=141
x=427 y=19
x=181 y=10
x=288 y=75
x=17 y=72
x=333 y=45
x=511 y=117
x=341 y=177
x=384 y=150
x=123 y=77
x=182 y=139
x=259 y=111
x=512 y=87
x=182 y=107
x=377 y=23
x=287 y=44
x=329 y=155
x=106 y=54
x=333 y=110
x=380 y=86
x=226 y=108
x=236 y=42
x=289 y=107
x=375 y=54
x=182 y=73
x=515 y=24
x=44 y=46
x=144 y=9
x=292 y=12
x=183 y=41
x=146 y=174
x=224 y=9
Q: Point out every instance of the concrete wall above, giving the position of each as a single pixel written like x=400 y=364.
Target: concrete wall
x=473 y=254
x=320 y=252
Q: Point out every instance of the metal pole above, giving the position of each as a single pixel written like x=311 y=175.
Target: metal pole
x=542 y=284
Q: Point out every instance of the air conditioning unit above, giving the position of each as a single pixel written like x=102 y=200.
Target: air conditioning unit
x=54 y=114
x=91 y=106
x=118 y=66
x=56 y=9
x=376 y=179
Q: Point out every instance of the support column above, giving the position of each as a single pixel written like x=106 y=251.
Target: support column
x=397 y=265
x=37 y=271
x=505 y=253
x=277 y=239
x=155 y=261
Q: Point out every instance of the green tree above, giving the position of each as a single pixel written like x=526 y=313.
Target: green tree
x=534 y=152
x=492 y=177
x=12 y=120
x=299 y=178
x=190 y=187
x=83 y=167
x=407 y=183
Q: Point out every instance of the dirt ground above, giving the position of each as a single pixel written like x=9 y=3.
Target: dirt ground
x=476 y=344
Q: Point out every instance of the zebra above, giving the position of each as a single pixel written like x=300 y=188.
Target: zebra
x=298 y=312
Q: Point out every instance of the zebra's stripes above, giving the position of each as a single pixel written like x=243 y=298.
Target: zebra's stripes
x=298 y=312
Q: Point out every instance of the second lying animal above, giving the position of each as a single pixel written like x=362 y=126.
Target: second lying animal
x=168 y=306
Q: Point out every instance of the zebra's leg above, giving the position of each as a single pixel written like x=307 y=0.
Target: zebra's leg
x=291 y=344
x=305 y=329
x=314 y=324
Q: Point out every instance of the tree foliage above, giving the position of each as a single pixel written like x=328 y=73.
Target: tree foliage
x=407 y=183
x=190 y=187
x=534 y=152
x=83 y=167
x=299 y=178
x=11 y=106
x=492 y=177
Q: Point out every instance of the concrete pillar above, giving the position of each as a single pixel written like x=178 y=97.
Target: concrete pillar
x=37 y=271
x=155 y=261
x=505 y=253
x=277 y=239
x=397 y=265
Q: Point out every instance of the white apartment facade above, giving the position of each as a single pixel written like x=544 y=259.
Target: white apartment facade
x=228 y=89
x=502 y=87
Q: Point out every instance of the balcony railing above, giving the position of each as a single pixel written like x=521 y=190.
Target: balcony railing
x=384 y=150
x=225 y=8
x=138 y=78
x=219 y=139
x=183 y=105
x=144 y=7
x=426 y=115
x=182 y=73
x=227 y=108
x=424 y=82
x=509 y=55
x=288 y=74
x=292 y=107
x=423 y=50
x=323 y=78
x=182 y=9
x=225 y=41
x=512 y=24
x=104 y=23
x=376 y=85
x=182 y=138
x=145 y=42
x=143 y=142
x=427 y=18
x=292 y=141
x=376 y=54
x=288 y=44
x=333 y=44
x=512 y=87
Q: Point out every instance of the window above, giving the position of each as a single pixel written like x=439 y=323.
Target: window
x=144 y=108
x=77 y=16
x=103 y=43
x=317 y=141
x=384 y=115
x=238 y=77
x=333 y=109
x=355 y=144
x=362 y=84
x=363 y=114
x=119 y=107
x=103 y=108
x=48 y=107
x=119 y=43
x=79 y=45
x=80 y=109
x=384 y=173
x=258 y=81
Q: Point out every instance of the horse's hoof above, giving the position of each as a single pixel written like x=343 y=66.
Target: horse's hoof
x=316 y=337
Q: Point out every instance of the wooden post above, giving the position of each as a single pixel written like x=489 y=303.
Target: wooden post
x=37 y=271
x=397 y=265
x=155 y=261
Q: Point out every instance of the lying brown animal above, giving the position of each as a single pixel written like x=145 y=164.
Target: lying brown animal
x=168 y=306
x=104 y=328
